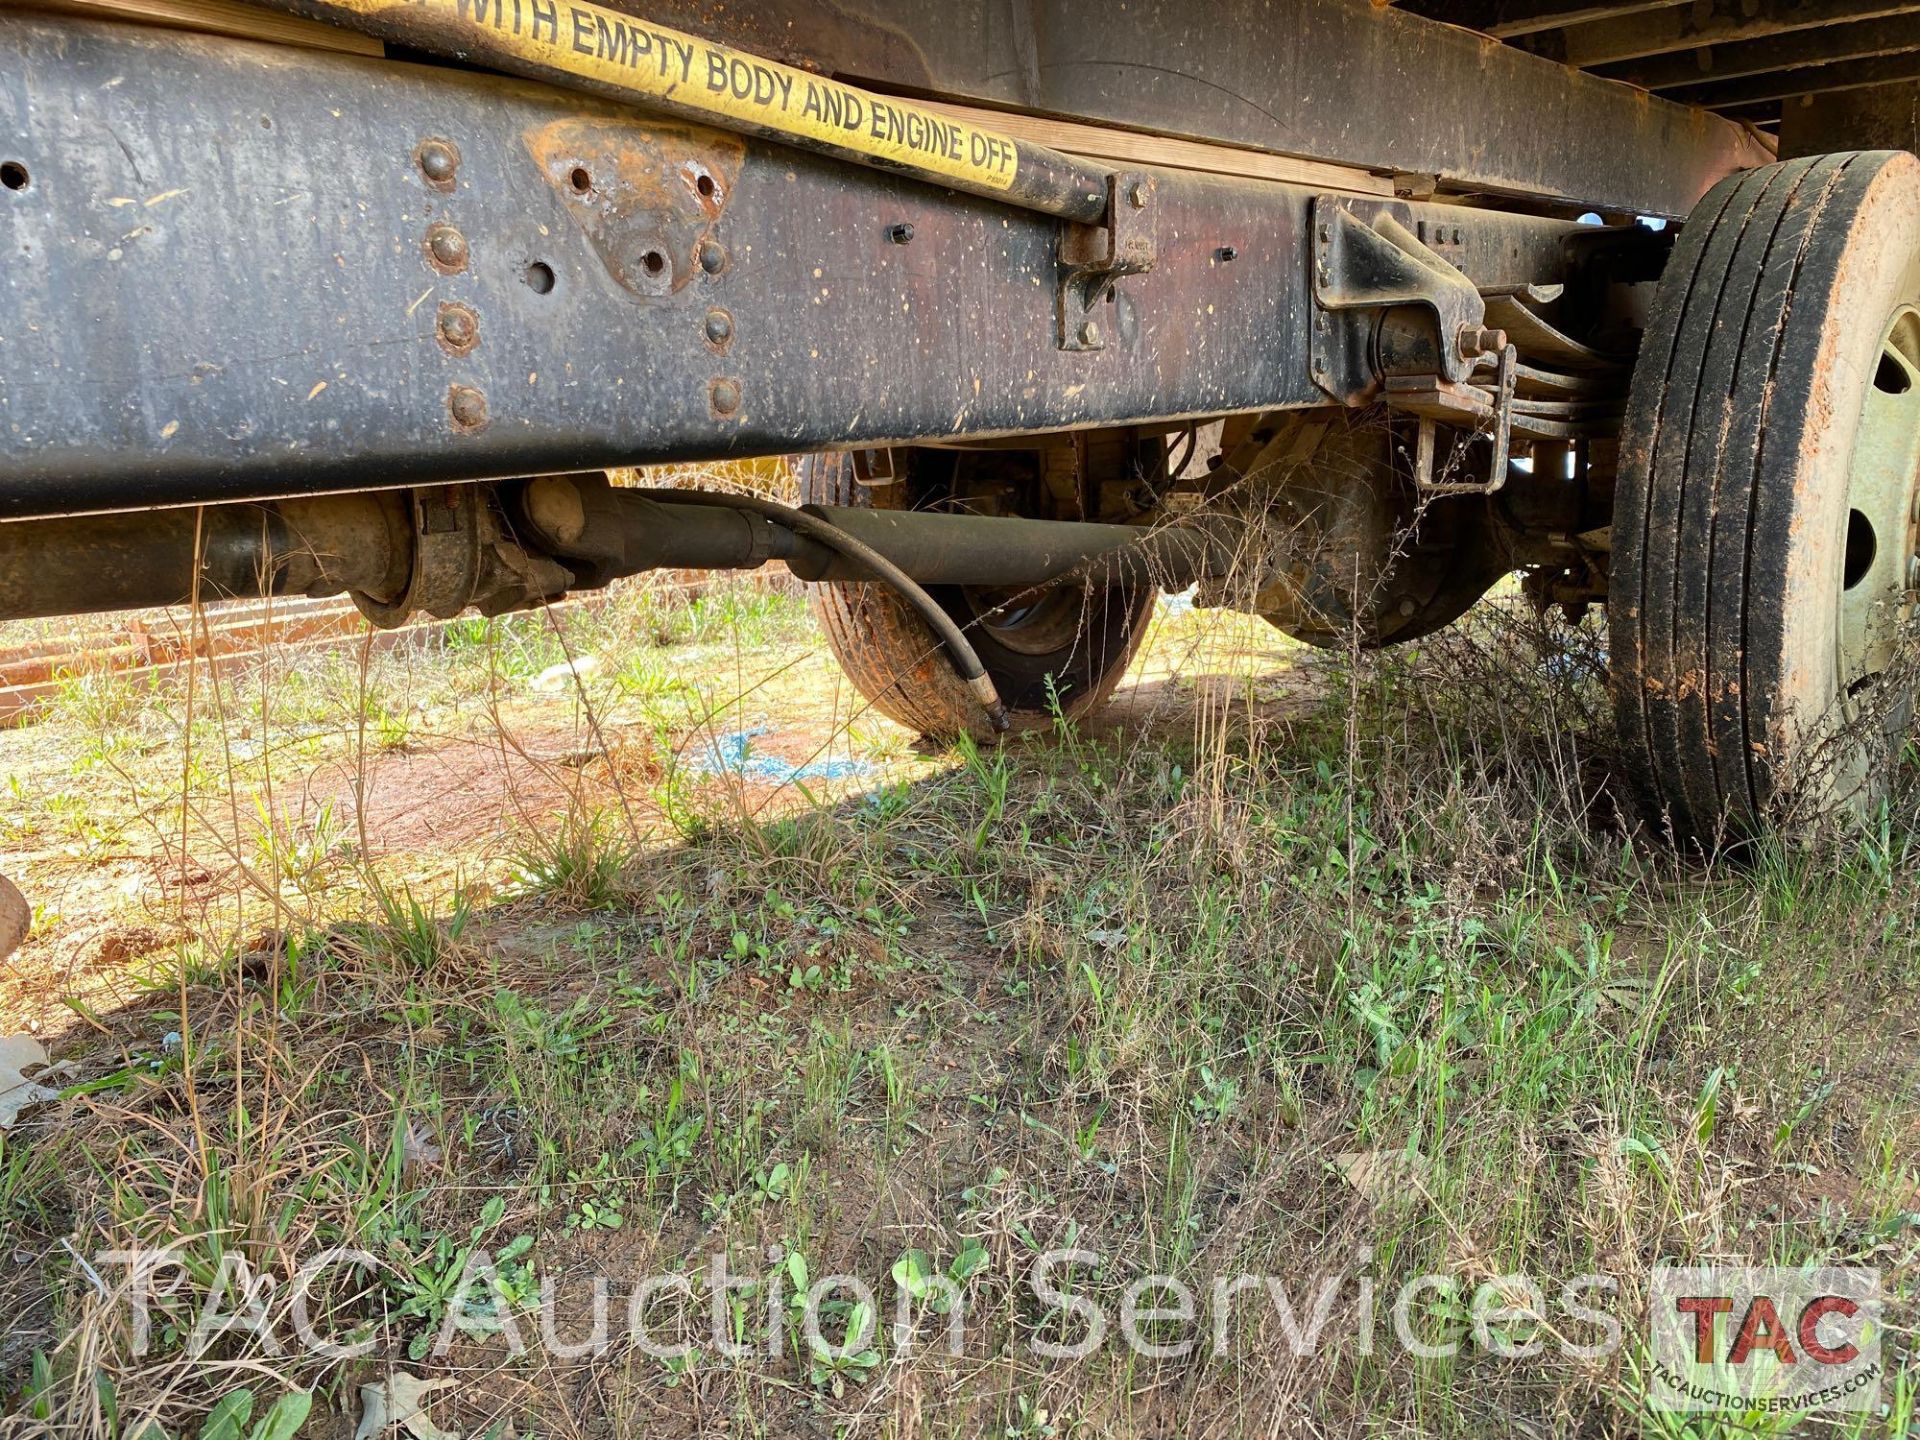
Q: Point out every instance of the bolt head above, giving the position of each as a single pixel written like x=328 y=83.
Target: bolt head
x=467 y=406
x=725 y=395
x=438 y=161
x=1137 y=194
x=1089 y=332
x=719 y=327
x=448 y=247
x=459 y=327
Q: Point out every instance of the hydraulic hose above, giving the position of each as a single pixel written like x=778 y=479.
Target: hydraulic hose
x=959 y=649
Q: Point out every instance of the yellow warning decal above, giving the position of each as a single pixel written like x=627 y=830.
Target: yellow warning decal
x=595 y=43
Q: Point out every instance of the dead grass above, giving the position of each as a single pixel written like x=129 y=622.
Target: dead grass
x=1303 y=964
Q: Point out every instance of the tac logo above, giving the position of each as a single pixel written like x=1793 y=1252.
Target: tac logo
x=1765 y=1341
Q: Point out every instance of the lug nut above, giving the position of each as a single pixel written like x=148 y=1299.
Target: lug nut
x=448 y=247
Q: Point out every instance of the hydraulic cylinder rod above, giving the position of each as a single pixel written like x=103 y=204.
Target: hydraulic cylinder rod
x=579 y=44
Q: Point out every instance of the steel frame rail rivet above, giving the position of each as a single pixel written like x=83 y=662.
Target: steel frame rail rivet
x=712 y=257
x=439 y=162
x=724 y=395
x=467 y=406
x=459 y=328
x=447 y=247
x=719 y=328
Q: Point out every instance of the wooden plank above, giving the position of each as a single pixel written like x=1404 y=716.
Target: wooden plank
x=24 y=703
x=1508 y=18
x=1661 y=32
x=220 y=17
x=1810 y=80
x=160 y=644
x=1134 y=147
x=1557 y=14
x=1827 y=45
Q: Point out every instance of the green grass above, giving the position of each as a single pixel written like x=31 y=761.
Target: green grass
x=1366 y=985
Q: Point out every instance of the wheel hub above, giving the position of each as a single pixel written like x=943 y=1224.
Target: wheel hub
x=1882 y=563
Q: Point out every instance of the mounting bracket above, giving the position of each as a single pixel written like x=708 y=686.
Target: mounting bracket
x=1366 y=261
x=1092 y=257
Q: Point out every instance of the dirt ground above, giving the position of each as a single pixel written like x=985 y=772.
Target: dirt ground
x=613 y=947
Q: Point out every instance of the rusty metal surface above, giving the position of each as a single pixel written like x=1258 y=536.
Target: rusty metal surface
x=1884 y=117
x=230 y=275
x=1340 y=80
x=646 y=197
x=318 y=546
x=620 y=53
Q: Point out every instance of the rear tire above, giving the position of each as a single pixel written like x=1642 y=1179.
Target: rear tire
x=16 y=918
x=1764 y=517
x=1066 y=652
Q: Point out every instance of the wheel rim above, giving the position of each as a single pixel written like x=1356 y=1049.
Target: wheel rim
x=1026 y=623
x=1881 y=566
x=1882 y=561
